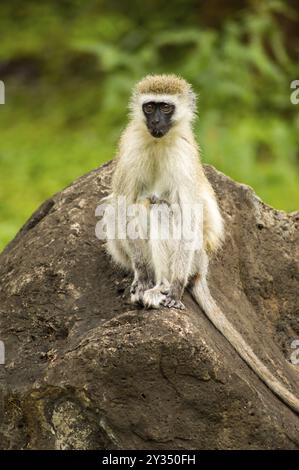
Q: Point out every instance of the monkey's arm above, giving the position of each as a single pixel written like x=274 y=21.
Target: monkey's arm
x=144 y=277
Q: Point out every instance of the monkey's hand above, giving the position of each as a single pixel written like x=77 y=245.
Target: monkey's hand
x=154 y=199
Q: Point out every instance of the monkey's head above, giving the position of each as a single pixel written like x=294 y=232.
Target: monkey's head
x=162 y=102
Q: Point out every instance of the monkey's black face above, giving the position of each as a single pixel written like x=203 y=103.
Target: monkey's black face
x=158 y=117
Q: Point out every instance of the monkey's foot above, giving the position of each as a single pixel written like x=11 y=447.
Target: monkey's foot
x=172 y=296
x=153 y=298
x=137 y=291
x=160 y=296
x=170 y=302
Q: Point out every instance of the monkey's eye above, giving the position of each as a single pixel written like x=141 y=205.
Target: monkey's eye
x=166 y=108
x=148 y=108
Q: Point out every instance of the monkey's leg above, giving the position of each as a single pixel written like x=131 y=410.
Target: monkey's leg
x=159 y=252
x=180 y=267
x=144 y=277
x=133 y=256
x=154 y=296
x=119 y=253
x=184 y=251
x=172 y=257
x=172 y=261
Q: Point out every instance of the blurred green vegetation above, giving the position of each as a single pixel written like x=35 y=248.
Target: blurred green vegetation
x=69 y=66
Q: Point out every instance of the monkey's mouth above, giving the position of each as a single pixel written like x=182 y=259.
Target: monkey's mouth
x=158 y=133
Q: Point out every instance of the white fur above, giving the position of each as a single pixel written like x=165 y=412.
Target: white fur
x=170 y=169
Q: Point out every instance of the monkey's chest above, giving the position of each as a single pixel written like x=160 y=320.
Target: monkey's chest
x=157 y=190
x=162 y=178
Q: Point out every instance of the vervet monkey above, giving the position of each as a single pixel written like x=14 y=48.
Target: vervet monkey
x=158 y=164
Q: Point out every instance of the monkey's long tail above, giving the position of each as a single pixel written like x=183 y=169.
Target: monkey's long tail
x=201 y=293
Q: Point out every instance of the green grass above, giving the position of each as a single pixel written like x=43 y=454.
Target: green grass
x=40 y=153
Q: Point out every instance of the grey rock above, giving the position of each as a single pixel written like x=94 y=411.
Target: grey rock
x=86 y=370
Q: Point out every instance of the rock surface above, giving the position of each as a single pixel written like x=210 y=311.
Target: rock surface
x=86 y=370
